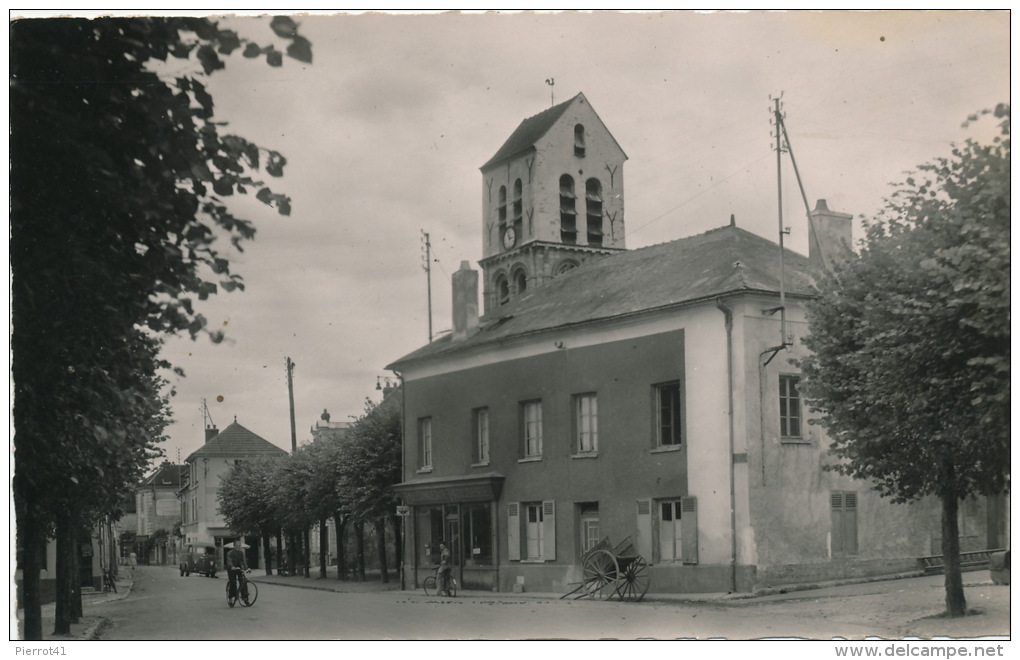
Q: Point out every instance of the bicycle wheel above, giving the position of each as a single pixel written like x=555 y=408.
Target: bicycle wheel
x=231 y=599
x=249 y=594
x=430 y=585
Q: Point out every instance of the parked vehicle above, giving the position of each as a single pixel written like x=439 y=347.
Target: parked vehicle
x=199 y=558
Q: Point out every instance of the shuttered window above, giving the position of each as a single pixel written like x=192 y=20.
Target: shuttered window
x=844 y=522
x=676 y=529
x=531 y=531
x=513 y=531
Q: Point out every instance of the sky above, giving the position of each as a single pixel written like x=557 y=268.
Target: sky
x=385 y=131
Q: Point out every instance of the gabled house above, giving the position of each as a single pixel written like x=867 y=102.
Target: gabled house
x=201 y=521
x=648 y=396
x=157 y=508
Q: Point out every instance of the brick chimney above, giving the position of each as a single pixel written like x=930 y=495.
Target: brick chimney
x=829 y=235
x=465 y=302
x=211 y=432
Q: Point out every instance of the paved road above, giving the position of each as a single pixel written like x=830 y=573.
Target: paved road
x=165 y=606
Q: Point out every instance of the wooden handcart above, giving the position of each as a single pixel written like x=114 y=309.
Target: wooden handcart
x=613 y=571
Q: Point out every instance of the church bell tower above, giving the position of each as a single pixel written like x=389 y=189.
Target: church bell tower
x=552 y=199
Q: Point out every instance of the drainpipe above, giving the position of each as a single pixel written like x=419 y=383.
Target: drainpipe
x=728 y=317
x=403 y=441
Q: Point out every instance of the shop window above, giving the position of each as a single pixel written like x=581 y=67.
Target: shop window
x=478 y=539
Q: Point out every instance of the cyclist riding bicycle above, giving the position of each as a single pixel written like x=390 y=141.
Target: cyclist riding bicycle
x=236 y=562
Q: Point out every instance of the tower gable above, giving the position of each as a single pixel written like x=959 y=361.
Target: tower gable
x=552 y=199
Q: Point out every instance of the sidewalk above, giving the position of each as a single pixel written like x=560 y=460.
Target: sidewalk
x=89 y=625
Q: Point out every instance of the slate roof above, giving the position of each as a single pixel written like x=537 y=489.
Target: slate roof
x=720 y=261
x=235 y=440
x=167 y=474
x=529 y=132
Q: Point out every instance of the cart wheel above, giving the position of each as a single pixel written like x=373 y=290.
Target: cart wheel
x=600 y=574
x=634 y=581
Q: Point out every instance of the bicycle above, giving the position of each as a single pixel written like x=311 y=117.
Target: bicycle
x=108 y=582
x=431 y=584
x=249 y=591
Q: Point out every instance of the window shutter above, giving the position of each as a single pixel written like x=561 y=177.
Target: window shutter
x=513 y=531
x=644 y=529
x=836 y=504
x=689 y=529
x=548 y=530
x=850 y=523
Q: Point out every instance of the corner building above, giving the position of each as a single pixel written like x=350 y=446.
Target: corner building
x=645 y=394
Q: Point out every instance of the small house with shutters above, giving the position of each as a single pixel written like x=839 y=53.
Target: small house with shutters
x=648 y=395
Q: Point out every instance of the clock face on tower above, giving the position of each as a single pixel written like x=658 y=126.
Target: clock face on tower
x=509 y=238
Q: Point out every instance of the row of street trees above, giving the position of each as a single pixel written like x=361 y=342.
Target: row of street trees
x=349 y=480
x=118 y=224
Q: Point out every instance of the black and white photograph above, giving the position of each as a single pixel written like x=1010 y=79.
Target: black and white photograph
x=466 y=326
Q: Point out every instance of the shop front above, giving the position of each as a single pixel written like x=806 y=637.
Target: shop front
x=461 y=512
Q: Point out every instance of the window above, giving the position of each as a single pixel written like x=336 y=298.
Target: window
x=669 y=420
x=593 y=210
x=789 y=407
x=844 y=522
x=568 y=210
x=579 y=140
x=425 y=443
x=586 y=423
x=520 y=281
x=502 y=290
x=478 y=539
x=588 y=516
x=518 y=208
x=531 y=531
x=501 y=210
x=532 y=428
x=480 y=422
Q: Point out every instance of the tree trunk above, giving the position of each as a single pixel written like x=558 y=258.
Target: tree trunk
x=341 y=547
x=323 y=547
x=956 y=603
x=279 y=550
x=380 y=532
x=76 y=607
x=359 y=549
x=267 y=550
x=65 y=548
x=33 y=546
x=398 y=547
x=306 y=551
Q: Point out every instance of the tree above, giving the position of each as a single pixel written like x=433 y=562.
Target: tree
x=118 y=178
x=370 y=463
x=247 y=502
x=910 y=341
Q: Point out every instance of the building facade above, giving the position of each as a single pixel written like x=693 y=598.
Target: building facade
x=158 y=512
x=201 y=520
x=641 y=396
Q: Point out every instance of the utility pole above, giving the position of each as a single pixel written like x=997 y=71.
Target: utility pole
x=290 y=392
x=427 y=265
x=778 y=118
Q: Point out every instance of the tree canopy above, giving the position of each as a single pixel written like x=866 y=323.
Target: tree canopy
x=910 y=338
x=119 y=174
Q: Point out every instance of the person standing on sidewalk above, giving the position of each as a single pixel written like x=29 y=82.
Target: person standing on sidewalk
x=444 y=569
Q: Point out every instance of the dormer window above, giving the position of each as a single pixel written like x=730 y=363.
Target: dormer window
x=579 y=140
x=568 y=210
x=593 y=210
